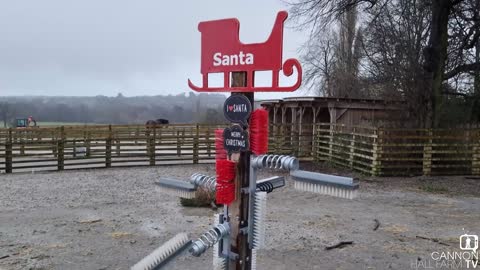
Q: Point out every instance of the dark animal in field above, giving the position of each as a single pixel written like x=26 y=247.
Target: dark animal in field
x=157 y=122
x=162 y=121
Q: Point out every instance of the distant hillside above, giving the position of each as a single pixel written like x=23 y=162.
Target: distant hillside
x=184 y=108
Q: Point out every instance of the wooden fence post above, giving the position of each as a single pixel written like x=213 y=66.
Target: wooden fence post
x=207 y=141
x=137 y=134
x=195 y=144
x=476 y=154
x=238 y=210
x=313 y=141
x=117 y=147
x=85 y=128
x=54 y=144
x=22 y=143
x=278 y=136
x=151 y=146
x=183 y=137
x=330 y=142
x=8 y=153
x=160 y=134
x=377 y=148
x=427 y=154
x=179 y=149
x=88 y=137
x=352 y=149
x=316 y=142
x=74 y=147
x=61 y=149
x=380 y=145
x=108 y=148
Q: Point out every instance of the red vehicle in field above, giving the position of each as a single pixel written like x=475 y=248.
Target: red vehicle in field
x=223 y=52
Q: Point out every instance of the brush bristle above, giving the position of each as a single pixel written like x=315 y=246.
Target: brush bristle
x=177 y=192
x=220 y=152
x=219 y=263
x=254 y=260
x=162 y=253
x=329 y=190
x=225 y=170
x=259 y=132
x=225 y=187
x=225 y=193
x=259 y=212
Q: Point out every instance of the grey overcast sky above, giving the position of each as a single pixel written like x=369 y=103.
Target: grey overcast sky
x=102 y=47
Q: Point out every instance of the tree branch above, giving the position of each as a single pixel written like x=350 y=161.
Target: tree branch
x=461 y=69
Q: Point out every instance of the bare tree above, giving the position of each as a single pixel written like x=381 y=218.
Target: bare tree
x=397 y=34
x=348 y=55
x=331 y=57
x=6 y=112
x=424 y=49
x=318 y=60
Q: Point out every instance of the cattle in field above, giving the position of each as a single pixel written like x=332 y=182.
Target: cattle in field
x=159 y=121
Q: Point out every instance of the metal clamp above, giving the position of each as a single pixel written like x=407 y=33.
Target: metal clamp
x=203 y=180
x=209 y=239
x=275 y=162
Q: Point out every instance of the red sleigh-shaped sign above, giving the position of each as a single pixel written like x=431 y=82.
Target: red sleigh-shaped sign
x=222 y=52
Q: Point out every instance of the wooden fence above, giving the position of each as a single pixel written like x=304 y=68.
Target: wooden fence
x=379 y=151
x=104 y=146
x=373 y=151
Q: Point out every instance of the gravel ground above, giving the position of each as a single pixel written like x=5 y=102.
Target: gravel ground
x=111 y=218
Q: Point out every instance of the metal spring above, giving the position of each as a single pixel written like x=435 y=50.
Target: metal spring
x=266 y=186
x=275 y=162
x=202 y=180
x=209 y=239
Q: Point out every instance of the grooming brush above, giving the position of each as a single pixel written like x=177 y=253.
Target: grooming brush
x=225 y=187
x=176 y=187
x=259 y=132
x=219 y=263
x=162 y=255
x=220 y=152
x=332 y=185
x=259 y=211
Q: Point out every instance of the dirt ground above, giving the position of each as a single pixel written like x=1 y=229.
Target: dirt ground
x=111 y=218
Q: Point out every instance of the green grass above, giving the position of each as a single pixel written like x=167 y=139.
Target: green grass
x=42 y=124
x=431 y=188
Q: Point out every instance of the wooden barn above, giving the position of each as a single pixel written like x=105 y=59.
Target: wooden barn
x=298 y=119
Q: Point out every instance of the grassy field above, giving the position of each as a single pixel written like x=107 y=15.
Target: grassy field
x=42 y=124
x=57 y=124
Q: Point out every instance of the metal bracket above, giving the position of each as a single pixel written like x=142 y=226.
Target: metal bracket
x=232 y=256
x=251 y=201
x=244 y=230
x=229 y=255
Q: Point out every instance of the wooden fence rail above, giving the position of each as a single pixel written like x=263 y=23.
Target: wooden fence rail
x=373 y=151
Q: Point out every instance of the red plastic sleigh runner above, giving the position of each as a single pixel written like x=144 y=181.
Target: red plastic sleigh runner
x=222 y=52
